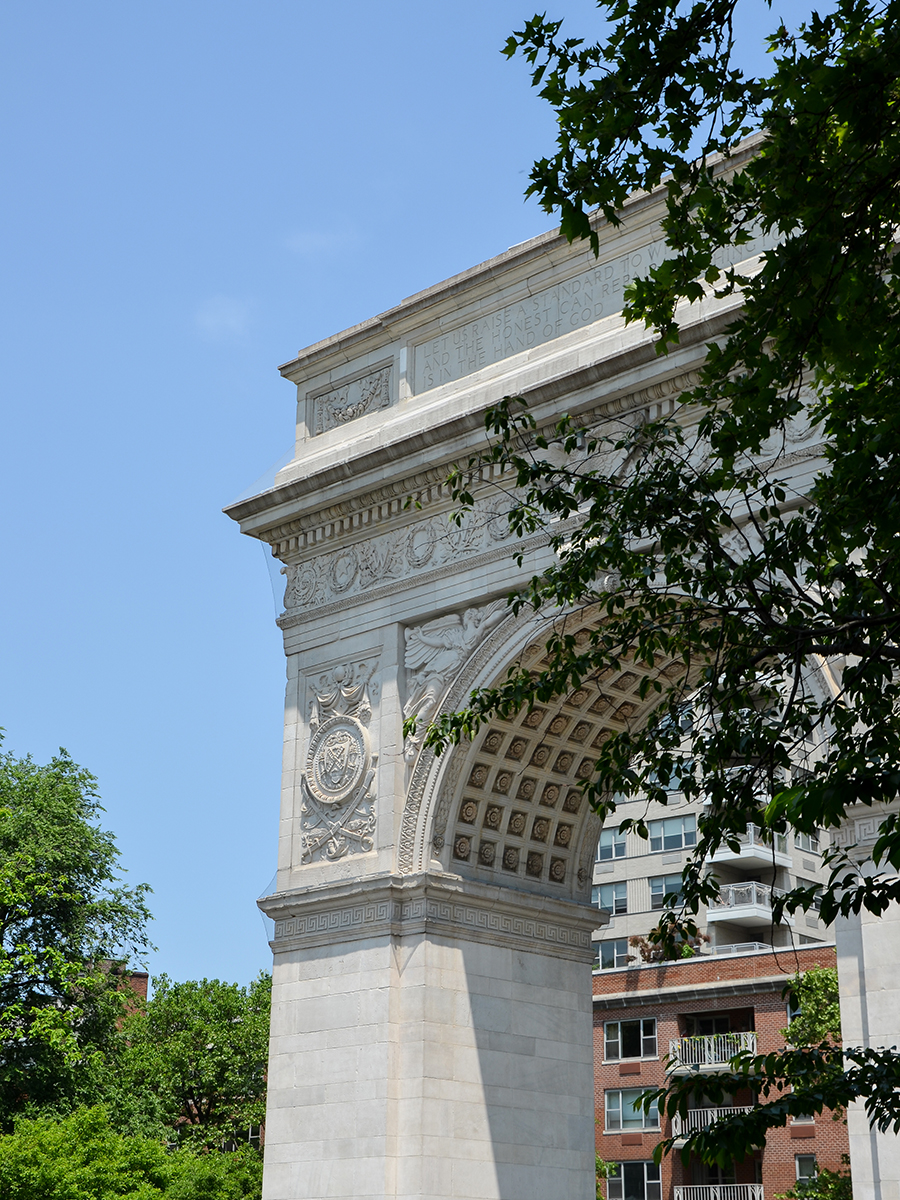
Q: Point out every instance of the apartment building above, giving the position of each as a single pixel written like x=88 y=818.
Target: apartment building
x=632 y=877
x=694 y=1015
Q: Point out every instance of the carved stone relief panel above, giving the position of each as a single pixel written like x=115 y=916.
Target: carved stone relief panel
x=435 y=652
x=337 y=810
x=393 y=556
x=350 y=400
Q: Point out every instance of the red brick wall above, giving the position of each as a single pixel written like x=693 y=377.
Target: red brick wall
x=829 y=1137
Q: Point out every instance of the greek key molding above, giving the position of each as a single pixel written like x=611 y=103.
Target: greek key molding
x=431 y=903
x=860 y=831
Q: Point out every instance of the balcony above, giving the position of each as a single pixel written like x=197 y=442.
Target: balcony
x=747 y=904
x=720 y=1191
x=702 y=1118
x=709 y=1052
x=739 y=948
x=756 y=850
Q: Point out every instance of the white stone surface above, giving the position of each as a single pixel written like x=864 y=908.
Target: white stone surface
x=868 y=955
x=431 y=1028
x=425 y=1058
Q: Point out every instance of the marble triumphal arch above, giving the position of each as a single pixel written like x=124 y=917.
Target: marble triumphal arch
x=431 y=1031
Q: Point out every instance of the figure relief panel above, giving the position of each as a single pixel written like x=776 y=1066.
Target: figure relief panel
x=337 y=808
x=435 y=653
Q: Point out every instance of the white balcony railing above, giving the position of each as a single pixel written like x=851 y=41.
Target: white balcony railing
x=720 y=1191
x=740 y=948
x=702 y=1118
x=710 y=1050
x=755 y=837
x=745 y=895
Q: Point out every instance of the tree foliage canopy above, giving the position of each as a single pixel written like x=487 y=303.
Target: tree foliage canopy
x=765 y=612
x=817 y=1016
x=82 y=1158
x=66 y=921
x=196 y=1055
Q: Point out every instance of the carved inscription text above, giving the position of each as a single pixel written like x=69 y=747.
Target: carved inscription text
x=548 y=314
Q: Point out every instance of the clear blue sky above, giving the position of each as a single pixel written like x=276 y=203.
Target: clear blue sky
x=193 y=191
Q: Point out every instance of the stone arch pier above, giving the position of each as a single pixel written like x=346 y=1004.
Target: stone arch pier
x=431 y=1030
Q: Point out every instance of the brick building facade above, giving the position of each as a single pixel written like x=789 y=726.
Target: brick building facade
x=695 y=1014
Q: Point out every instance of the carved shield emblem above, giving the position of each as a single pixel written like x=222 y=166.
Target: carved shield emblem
x=338 y=757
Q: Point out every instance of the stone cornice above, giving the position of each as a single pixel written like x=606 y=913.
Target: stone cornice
x=432 y=903
x=278 y=513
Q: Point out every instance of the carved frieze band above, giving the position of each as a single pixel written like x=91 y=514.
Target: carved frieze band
x=358 y=568
x=353 y=399
x=440 y=910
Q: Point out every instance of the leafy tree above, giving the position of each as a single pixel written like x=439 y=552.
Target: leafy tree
x=826 y=1185
x=818 y=1017
x=195 y=1060
x=766 y=621
x=66 y=923
x=82 y=1158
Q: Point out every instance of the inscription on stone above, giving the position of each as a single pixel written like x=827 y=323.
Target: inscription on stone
x=595 y=293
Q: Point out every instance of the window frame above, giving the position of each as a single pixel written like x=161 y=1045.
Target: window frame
x=618 y=845
x=683 y=842
x=612 y=942
x=652 y=1185
x=815 y=1167
x=638 y=1121
x=643 y=1036
x=667 y=891
x=615 y=911
x=808 y=843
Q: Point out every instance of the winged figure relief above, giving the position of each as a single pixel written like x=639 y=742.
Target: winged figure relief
x=435 y=651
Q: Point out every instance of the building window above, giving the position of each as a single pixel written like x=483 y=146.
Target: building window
x=793 y=1007
x=630 y=1039
x=716 y=1175
x=613 y=897
x=811 y=883
x=624 y=1111
x=702 y=1026
x=633 y=1181
x=806 y=1166
x=673 y=833
x=807 y=841
x=662 y=886
x=613 y=953
x=611 y=845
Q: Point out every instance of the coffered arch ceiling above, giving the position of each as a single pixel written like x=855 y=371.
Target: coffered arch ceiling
x=510 y=809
